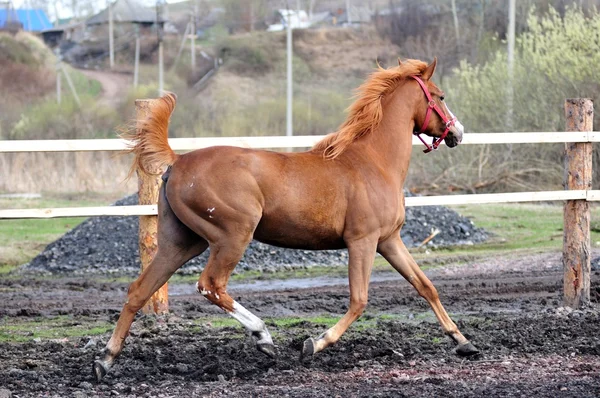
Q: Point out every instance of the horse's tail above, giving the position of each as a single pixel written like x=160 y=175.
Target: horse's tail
x=149 y=141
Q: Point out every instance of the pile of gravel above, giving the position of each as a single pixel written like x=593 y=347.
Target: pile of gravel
x=109 y=245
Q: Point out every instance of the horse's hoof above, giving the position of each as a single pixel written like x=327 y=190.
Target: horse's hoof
x=308 y=349
x=99 y=370
x=268 y=349
x=466 y=350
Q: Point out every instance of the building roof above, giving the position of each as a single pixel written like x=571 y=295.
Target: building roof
x=33 y=19
x=125 y=11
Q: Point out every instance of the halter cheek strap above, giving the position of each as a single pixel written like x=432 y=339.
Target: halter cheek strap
x=432 y=106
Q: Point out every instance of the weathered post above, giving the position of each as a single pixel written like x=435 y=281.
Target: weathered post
x=578 y=175
x=148 y=187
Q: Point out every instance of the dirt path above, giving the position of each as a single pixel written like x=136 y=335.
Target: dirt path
x=114 y=85
x=531 y=347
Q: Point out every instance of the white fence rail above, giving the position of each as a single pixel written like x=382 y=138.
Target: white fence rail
x=302 y=141
x=182 y=144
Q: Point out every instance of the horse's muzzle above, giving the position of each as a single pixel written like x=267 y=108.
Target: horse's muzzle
x=455 y=135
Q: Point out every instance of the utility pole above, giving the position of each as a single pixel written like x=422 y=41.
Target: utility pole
x=159 y=31
x=289 y=128
x=28 y=16
x=136 y=68
x=58 y=80
x=111 y=35
x=193 y=35
x=455 y=17
x=511 y=61
x=349 y=18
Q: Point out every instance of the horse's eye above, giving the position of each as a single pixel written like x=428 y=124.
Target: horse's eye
x=442 y=98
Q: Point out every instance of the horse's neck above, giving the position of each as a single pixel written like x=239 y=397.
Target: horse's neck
x=391 y=142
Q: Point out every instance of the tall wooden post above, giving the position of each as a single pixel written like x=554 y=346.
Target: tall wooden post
x=111 y=36
x=578 y=175
x=148 y=187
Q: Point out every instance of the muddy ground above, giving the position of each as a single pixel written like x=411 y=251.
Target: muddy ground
x=509 y=307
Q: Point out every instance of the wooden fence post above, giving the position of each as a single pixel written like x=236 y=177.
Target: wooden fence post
x=148 y=187
x=578 y=175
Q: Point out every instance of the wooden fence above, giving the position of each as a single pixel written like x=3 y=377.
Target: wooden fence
x=578 y=193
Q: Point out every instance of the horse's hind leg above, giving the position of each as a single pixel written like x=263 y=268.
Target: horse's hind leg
x=394 y=251
x=212 y=284
x=176 y=245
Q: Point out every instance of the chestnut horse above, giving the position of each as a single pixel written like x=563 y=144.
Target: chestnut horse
x=346 y=192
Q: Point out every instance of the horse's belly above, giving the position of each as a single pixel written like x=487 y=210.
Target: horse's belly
x=298 y=235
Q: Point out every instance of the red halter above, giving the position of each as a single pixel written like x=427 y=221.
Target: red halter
x=432 y=106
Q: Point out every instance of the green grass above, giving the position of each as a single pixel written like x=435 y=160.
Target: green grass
x=83 y=84
x=17 y=330
x=24 y=239
x=523 y=226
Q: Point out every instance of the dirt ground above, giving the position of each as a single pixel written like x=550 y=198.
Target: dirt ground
x=509 y=307
x=114 y=84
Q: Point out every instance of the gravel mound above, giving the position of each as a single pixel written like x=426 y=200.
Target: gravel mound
x=109 y=245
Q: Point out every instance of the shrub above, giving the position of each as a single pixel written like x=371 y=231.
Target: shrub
x=251 y=55
x=556 y=58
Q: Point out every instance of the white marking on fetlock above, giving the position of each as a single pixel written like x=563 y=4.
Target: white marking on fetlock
x=251 y=322
x=197 y=287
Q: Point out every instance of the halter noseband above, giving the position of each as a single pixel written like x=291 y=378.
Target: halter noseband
x=432 y=106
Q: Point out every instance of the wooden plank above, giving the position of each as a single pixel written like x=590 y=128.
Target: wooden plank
x=442 y=200
x=79 y=212
x=513 y=197
x=578 y=176
x=593 y=196
x=304 y=141
x=63 y=145
x=524 y=138
x=307 y=141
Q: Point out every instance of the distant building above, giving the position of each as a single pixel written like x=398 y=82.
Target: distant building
x=296 y=19
x=126 y=11
x=73 y=32
x=359 y=15
x=31 y=19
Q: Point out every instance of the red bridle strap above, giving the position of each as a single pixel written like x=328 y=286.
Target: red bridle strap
x=432 y=106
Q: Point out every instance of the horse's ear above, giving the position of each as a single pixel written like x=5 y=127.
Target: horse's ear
x=428 y=72
x=399 y=62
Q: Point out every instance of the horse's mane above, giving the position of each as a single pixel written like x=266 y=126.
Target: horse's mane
x=365 y=114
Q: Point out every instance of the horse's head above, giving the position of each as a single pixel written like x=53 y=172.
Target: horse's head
x=433 y=117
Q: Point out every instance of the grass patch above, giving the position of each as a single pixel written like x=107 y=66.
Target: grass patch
x=24 y=239
x=50 y=328
x=523 y=226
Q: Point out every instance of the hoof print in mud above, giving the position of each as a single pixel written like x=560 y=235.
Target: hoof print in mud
x=466 y=350
x=98 y=370
x=308 y=349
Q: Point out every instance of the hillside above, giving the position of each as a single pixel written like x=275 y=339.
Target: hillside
x=25 y=74
x=248 y=94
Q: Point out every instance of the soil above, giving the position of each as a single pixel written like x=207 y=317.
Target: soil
x=510 y=307
x=109 y=245
x=114 y=85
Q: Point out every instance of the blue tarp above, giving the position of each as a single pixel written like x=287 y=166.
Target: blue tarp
x=36 y=17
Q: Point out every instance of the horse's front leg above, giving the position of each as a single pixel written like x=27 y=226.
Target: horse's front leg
x=396 y=253
x=361 y=257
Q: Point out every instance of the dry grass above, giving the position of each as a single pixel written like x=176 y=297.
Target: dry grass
x=65 y=172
